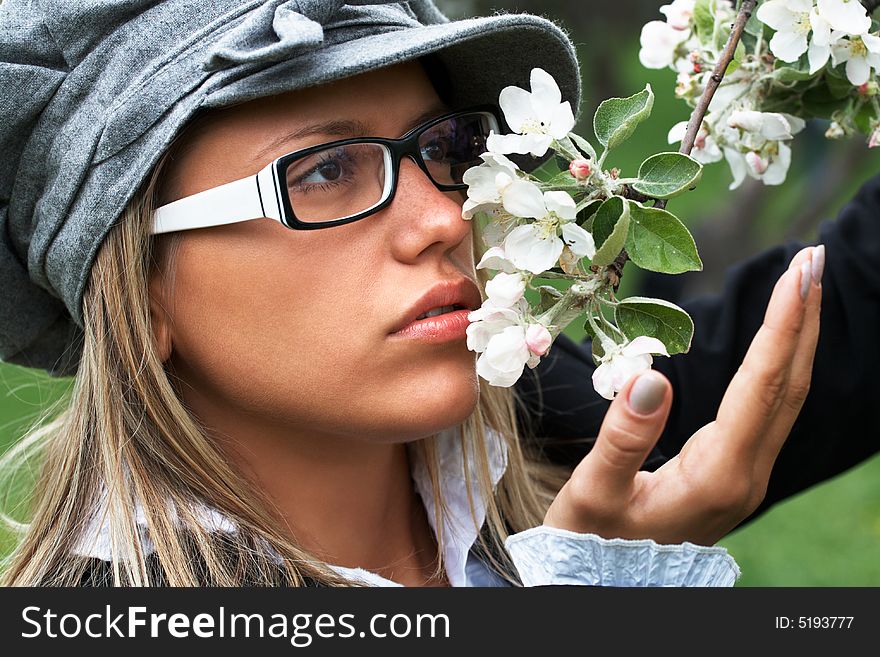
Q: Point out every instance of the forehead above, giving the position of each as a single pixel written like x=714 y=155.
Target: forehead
x=226 y=144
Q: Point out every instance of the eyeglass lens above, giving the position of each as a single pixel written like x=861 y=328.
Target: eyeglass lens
x=343 y=181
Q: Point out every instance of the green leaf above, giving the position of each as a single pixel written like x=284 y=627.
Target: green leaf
x=665 y=175
x=586 y=213
x=839 y=87
x=738 y=56
x=583 y=145
x=790 y=74
x=865 y=118
x=610 y=228
x=588 y=329
x=616 y=118
x=564 y=180
x=550 y=168
x=658 y=241
x=597 y=349
x=704 y=18
x=818 y=102
x=549 y=296
x=754 y=26
x=655 y=318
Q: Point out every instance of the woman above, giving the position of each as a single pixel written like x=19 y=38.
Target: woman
x=261 y=405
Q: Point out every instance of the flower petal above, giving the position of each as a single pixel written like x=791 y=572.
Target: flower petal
x=603 y=381
x=677 y=132
x=524 y=199
x=778 y=169
x=560 y=203
x=644 y=345
x=788 y=46
x=495 y=258
x=579 y=240
x=496 y=377
x=776 y=14
x=738 y=166
x=529 y=250
x=561 y=121
x=858 y=71
x=516 y=104
x=505 y=289
x=818 y=56
x=849 y=16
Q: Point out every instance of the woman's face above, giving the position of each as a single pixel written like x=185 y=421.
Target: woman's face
x=295 y=326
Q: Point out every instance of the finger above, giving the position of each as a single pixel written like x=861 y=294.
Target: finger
x=756 y=391
x=631 y=427
x=801 y=370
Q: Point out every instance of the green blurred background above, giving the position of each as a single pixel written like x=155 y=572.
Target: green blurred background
x=827 y=536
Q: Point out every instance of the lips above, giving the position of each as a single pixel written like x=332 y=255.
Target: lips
x=461 y=292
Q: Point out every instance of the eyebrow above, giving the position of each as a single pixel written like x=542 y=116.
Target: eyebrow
x=344 y=129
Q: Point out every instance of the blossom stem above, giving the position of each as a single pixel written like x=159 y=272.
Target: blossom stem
x=604 y=340
x=569 y=307
x=696 y=120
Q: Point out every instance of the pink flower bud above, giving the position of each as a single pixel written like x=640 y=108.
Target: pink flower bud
x=538 y=339
x=874 y=141
x=580 y=168
x=756 y=162
x=863 y=89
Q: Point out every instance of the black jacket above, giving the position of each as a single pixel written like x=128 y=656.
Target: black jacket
x=837 y=427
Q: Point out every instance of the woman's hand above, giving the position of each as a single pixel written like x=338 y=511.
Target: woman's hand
x=721 y=474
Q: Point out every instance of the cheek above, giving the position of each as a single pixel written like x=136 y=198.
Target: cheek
x=293 y=333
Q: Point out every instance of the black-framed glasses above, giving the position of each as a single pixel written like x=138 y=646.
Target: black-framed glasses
x=341 y=181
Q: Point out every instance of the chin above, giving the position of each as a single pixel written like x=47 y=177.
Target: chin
x=440 y=397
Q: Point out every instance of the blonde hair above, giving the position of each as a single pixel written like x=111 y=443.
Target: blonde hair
x=124 y=431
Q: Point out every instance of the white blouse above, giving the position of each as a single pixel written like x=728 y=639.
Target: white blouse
x=542 y=555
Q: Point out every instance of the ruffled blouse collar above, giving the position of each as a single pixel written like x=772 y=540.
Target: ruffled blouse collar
x=460 y=530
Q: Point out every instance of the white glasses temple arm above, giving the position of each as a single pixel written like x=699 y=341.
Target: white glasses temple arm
x=253 y=197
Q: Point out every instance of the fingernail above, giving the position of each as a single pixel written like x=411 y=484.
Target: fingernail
x=818 y=264
x=805 y=279
x=647 y=393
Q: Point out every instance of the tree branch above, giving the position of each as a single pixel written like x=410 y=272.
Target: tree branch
x=696 y=120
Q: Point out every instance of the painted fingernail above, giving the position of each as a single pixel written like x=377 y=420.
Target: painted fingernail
x=805 y=279
x=818 y=264
x=647 y=393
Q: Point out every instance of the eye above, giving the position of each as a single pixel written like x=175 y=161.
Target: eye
x=326 y=171
x=436 y=150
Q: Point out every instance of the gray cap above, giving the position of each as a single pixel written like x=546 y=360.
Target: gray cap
x=93 y=91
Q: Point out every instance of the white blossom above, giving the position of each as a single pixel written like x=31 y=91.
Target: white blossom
x=489 y=320
x=536 y=246
x=495 y=258
x=507 y=340
x=794 y=21
x=706 y=149
x=538 y=339
x=679 y=13
x=849 y=16
x=660 y=43
x=766 y=125
x=506 y=289
x=487 y=183
x=861 y=54
x=537 y=117
x=754 y=145
x=621 y=362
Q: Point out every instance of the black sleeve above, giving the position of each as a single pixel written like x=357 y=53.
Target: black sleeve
x=836 y=428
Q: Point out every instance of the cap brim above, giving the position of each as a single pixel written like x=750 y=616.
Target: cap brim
x=481 y=55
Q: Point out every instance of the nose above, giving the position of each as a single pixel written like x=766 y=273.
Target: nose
x=422 y=218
